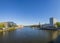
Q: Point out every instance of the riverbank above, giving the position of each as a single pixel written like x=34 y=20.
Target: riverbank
x=8 y=29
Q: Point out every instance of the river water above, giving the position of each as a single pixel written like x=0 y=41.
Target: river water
x=25 y=35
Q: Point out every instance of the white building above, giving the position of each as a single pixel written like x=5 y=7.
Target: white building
x=45 y=25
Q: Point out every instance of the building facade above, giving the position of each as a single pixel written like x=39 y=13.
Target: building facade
x=45 y=25
x=51 y=24
x=8 y=24
x=53 y=21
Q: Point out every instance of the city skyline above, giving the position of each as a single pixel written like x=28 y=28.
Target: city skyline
x=28 y=12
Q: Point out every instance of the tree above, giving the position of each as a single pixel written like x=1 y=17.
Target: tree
x=2 y=25
x=58 y=24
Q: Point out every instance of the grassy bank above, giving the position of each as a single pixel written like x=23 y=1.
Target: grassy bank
x=11 y=29
x=8 y=29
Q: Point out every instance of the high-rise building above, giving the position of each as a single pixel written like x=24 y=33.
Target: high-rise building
x=53 y=21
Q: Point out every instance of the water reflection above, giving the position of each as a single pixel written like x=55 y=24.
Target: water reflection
x=25 y=35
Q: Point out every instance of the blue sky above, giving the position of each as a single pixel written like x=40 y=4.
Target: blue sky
x=29 y=11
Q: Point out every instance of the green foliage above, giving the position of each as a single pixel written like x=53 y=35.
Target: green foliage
x=58 y=24
x=2 y=25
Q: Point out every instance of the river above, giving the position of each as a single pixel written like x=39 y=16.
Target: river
x=25 y=35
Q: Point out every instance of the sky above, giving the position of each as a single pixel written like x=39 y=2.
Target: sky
x=29 y=12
